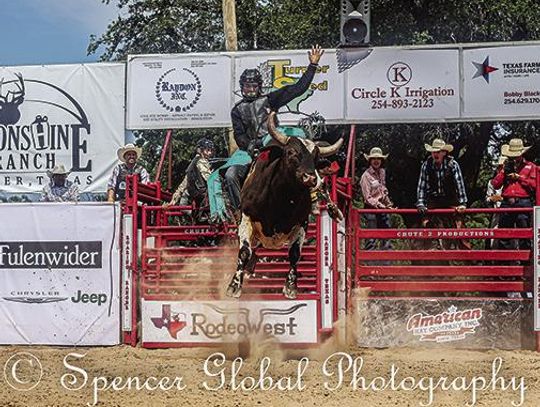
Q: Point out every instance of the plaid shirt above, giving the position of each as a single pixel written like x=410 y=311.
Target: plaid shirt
x=424 y=191
x=69 y=192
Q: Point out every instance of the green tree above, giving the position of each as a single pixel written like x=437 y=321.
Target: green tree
x=178 y=26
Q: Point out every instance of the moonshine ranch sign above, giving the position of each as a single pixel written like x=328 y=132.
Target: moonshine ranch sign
x=69 y=114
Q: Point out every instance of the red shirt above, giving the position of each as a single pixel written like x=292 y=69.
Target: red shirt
x=523 y=187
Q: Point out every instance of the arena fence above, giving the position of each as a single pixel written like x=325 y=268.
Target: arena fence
x=174 y=274
x=174 y=278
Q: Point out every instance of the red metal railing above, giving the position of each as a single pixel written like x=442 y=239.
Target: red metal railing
x=402 y=272
x=196 y=261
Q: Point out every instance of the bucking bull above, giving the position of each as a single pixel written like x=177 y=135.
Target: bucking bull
x=276 y=203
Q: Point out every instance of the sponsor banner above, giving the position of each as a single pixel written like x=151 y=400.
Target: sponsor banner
x=501 y=82
x=127 y=273
x=228 y=321
x=327 y=282
x=59 y=274
x=404 y=86
x=454 y=323
x=281 y=69
x=60 y=114
x=178 y=91
x=536 y=268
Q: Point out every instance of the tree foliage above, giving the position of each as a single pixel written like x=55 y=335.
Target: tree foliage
x=178 y=26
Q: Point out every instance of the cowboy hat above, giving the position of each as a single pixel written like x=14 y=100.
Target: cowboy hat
x=375 y=152
x=128 y=147
x=439 y=145
x=59 y=169
x=515 y=148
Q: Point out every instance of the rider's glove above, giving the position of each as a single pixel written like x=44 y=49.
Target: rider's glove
x=422 y=210
x=254 y=146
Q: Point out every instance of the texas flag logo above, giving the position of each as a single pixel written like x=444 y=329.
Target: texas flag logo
x=484 y=69
x=174 y=323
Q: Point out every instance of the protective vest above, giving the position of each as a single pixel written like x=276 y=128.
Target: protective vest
x=120 y=188
x=196 y=185
x=254 y=114
x=449 y=186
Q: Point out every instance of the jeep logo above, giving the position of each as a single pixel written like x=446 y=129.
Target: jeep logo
x=89 y=298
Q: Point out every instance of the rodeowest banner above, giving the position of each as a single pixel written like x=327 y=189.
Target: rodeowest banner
x=59 y=274
x=60 y=114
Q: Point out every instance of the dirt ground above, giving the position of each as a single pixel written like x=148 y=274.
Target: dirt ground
x=317 y=384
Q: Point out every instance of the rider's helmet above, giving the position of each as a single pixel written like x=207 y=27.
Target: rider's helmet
x=251 y=83
x=205 y=144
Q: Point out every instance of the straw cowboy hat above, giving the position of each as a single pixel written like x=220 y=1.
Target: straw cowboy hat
x=128 y=147
x=515 y=148
x=439 y=145
x=59 y=169
x=375 y=152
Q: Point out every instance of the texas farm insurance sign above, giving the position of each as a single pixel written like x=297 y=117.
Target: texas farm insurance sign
x=63 y=114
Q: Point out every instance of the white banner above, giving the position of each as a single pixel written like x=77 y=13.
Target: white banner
x=536 y=260
x=60 y=114
x=327 y=281
x=59 y=274
x=501 y=82
x=228 y=321
x=325 y=94
x=395 y=85
x=178 y=91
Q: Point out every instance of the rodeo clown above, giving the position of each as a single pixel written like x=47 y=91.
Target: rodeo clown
x=129 y=155
x=249 y=118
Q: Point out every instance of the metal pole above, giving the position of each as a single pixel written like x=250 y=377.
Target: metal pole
x=231 y=44
x=163 y=153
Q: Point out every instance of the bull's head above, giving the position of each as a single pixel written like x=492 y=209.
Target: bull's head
x=300 y=155
x=10 y=101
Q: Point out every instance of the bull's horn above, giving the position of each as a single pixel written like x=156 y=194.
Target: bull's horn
x=276 y=135
x=329 y=150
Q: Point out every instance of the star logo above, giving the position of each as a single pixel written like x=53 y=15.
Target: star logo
x=484 y=69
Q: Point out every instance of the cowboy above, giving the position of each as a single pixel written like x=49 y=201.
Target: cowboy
x=129 y=155
x=441 y=185
x=193 y=187
x=517 y=178
x=375 y=193
x=249 y=117
x=494 y=199
x=59 y=189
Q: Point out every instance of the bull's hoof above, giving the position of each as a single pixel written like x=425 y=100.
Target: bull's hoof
x=290 y=291
x=234 y=289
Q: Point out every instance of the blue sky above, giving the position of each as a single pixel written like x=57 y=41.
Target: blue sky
x=35 y=32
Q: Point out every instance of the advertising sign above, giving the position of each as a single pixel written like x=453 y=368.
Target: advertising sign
x=228 y=321
x=404 y=86
x=59 y=274
x=60 y=114
x=178 y=91
x=325 y=94
x=501 y=82
x=536 y=262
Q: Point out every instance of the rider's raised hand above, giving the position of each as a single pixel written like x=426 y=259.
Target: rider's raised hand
x=315 y=54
